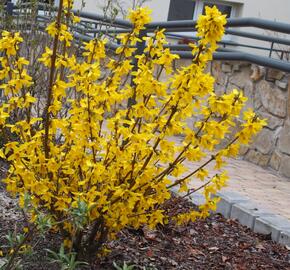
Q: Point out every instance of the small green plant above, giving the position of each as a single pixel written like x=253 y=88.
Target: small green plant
x=16 y=245
x=67 y=261
x=124 y=266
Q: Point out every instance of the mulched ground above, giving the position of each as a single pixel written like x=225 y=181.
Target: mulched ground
x=214 y=243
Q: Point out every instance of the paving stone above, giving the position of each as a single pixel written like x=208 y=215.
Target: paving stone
x=263 y=187
x=228 y=199
x=284 y=238
x=247 y=212
x=271 y=224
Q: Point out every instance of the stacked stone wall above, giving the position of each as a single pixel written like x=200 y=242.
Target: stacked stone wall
x=268 y=93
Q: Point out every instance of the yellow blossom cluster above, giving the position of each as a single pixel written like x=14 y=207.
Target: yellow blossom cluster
x=107 y=163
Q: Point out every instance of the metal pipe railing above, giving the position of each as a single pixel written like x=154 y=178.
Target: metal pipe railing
x=258 y=36
x=227 y=42
x=245 y=57
x=117 y=26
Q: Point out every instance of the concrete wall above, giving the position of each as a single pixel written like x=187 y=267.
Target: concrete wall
x=267 y=9
x=159 y=7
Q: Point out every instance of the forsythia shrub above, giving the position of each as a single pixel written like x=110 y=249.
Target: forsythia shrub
x=106 y=164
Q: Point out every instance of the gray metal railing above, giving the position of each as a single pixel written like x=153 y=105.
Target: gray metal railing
x=229 y=49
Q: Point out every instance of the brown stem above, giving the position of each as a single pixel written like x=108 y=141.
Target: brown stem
x=46 y=119
x=179 y=181
x=179 y=157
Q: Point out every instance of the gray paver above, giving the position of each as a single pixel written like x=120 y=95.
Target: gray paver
x=228 y=199
x=271 y=224
x=284 y=238
x=247 y=212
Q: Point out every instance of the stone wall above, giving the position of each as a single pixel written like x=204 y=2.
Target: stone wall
x=268 y=93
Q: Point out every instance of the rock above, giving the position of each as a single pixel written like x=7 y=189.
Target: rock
x=220 y=77
x=257 y=101
x=281 y=84
x=257 y=158
x=240 y=78
x=182 y=63
x=272 y=99
x=236 y=67
x=226 y=68
x=216 y=67
x=249 y=93
x=275 y=74
x=275 y=161
x=272 y=121
x=219 y=89
x=284 y=139
x=249 y=89
x=264 y=141
x=230 y=87
x=288 y=101
x=285 y=166
x=243 y=150
x=258 y=73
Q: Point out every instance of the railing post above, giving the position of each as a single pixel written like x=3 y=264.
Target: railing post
x=270 y=56
x=9 y=8
x=140 y=49
x=271 y=49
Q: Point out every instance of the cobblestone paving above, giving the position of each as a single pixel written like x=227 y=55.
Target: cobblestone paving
x=264 y=187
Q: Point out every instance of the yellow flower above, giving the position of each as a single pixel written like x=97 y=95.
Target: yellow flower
x=93 y=158
x=210 y=26
x=140 y=17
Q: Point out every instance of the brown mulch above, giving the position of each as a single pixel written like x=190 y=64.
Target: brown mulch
x=214 y=243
